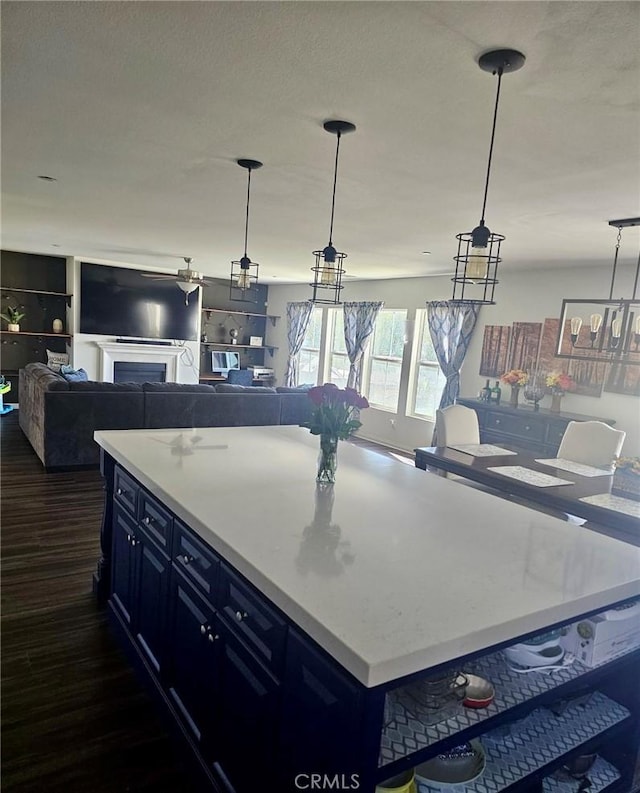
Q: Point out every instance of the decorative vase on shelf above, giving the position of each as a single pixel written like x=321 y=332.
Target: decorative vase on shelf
x=556 y=400
x=327 y=459
x=515 y=392
x=57 y=325
x=13 y=327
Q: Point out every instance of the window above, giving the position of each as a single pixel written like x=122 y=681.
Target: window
x=428 y=381
x=385 y=359
x=309 y=360
x=338 y=358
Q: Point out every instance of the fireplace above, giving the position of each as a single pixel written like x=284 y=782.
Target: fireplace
x=166 y=356
x=139 y=372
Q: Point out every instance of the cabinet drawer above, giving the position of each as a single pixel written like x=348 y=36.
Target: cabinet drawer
x=156 y=520
x=524 y=426
x=555 y=431
x=126 y=491
x=195 y=561
x=251 y=618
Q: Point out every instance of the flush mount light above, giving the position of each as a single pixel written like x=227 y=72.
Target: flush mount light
x=48 y=178
x=243 y=281
x=610 y=330
x=479 y=250
x=328 y=270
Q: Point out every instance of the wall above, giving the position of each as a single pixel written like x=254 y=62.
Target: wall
x=531 y=296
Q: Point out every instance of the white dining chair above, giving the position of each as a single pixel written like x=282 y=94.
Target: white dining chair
x=457 y=424
x=591 y=443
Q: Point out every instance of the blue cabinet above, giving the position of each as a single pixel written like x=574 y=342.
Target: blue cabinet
x=259 y=702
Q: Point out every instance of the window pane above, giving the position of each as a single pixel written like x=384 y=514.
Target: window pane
x=427 y=353
x=309 y=359
x=308 y=366
x=430 y=383
x=384 y=383
x=388 y=340
x=314 y=330
x=338 y=344
x=339 y=373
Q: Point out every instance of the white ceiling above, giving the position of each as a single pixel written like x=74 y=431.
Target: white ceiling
x=140 y=109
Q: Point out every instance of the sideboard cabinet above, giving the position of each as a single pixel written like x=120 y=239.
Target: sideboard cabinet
x=261 y=705
x=539 y=431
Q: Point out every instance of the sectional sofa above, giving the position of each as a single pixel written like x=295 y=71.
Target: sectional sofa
x=59 y=417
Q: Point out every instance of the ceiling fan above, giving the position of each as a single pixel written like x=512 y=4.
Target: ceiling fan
x=186 y=279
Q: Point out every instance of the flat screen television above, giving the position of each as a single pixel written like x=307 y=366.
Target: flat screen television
x=117 y=301
x=221 y=362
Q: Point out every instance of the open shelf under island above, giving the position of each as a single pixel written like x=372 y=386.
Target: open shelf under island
x=281 y=624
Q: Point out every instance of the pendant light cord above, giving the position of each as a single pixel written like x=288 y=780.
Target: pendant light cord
x=615 y=264
x=335 y=178
x=246 y=222
x=493 y=135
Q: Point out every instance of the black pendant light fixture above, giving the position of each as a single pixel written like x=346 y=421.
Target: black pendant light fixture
x=478 y=256
x=244 y=273
x=328 y=269
x=603 y=329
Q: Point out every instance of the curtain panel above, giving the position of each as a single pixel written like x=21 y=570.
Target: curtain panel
x=359 y=322
x=298 y=316
x=451 y=325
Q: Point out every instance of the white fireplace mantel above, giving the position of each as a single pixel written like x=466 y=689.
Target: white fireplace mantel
x=110 y=352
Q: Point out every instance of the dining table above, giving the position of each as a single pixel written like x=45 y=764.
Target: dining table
x=541 y=483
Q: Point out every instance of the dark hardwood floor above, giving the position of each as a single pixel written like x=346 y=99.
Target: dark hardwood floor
x=74 y=717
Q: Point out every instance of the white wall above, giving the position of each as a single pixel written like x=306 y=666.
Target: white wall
x=531 y=296
x=85 y=352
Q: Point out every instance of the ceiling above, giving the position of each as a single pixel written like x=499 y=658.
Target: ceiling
x=139 y=110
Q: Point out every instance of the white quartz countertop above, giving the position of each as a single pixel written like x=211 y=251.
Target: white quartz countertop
x=392 y=570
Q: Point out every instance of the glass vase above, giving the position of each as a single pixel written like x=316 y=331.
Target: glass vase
x=515 y=392
x=327 y=460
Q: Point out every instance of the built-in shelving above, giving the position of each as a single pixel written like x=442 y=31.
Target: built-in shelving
x=35 y=291
x=33 y=333
x=414 y=726
x=242 y=346
x=273 y=318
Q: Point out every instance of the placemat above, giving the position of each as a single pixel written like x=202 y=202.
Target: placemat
x=535 y=478
x=616 y=503
x=481 y=449
x=576 y=468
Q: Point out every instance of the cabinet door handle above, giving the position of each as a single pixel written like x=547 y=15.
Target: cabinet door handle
x=527 y=428
x=148 y=520
x=205 y=628
x=497 y=421
x=128 y=538
x=241 y=615
x=121 y=492
x=212 y=637
x=187 y=559
x=134 y=541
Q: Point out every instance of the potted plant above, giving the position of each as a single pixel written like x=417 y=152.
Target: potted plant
x=626 y=478
x=12 y=317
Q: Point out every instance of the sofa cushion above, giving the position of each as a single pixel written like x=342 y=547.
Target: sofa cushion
x=72 y=375
x=230 y=388
x=178 y=388
x=96 y=387
x=57 y=359
x=298 y=389
x=40 y=375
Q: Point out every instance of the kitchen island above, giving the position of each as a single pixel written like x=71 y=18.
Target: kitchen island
x=280 y=623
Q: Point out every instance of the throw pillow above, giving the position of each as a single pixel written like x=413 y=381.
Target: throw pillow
x=56 y=359
x=72 y=375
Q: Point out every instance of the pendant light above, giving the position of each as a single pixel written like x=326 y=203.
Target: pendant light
x=478 y=256
x=606 y=330
x=244 y=273
x=328 y=270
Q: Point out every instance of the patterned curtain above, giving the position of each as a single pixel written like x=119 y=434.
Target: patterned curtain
x=451 y=326
x=359 y=322
x=298 y=316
